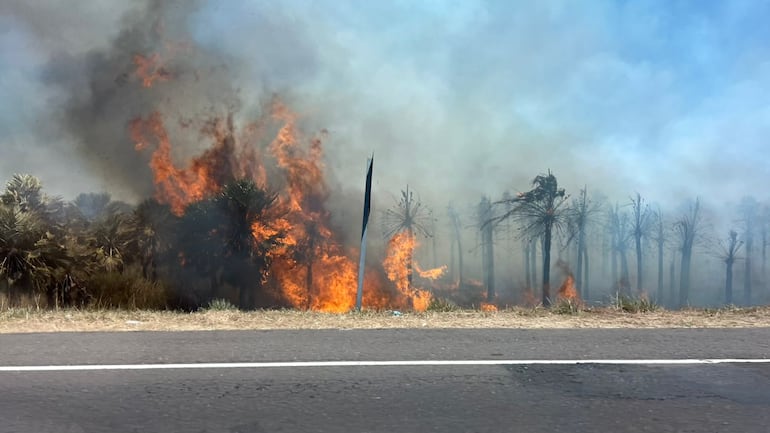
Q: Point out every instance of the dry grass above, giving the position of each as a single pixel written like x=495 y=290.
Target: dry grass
x=35 y=320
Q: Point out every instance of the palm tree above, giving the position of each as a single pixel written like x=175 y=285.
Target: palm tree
x=688 y=228
x=29 y=253
x=484 y=214
x=454 y=218
x=659 y=236
x=749 y=209
x=729 y=255
x=641 y=224
x=25 y=191
x=31 y=238
x=110 y=240
x=216 y=237
x=409 y=216
x=582 y=214
x=152 y=230
x=540 y=211
x=621 y=236
x=92 y=205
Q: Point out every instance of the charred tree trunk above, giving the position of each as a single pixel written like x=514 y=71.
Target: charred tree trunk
x=586 y=280
x=614 y=265
x=410 y=258
x=747 y=270
x=527 y=275
x=458 y=239
x=638 y=242
x=489 y=272
x=580 y=253
x=684 y=278
x=533 y=261
x=452 y=268
x=764 y=254
x=729 y=282
x=547 y=266
x=672 y=282
x=660 y=270
x=606 y=251
x=487 y=246
x=625 y=286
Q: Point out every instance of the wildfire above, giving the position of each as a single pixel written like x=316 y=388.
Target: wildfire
x=487 y=307
x=399 y=266
x=311 y=268
x=150 y=69
x=309 y=265
x=567 y=289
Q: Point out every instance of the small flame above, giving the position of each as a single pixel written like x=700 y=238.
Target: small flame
x=567 y=289
x=150 y=69
x=487 y=307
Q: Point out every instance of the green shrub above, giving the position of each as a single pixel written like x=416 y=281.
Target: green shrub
x=635 y=304
x=442 y=305
x=567 y=306
x=220 y=304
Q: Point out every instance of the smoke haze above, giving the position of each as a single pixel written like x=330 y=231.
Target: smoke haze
x=455 y=98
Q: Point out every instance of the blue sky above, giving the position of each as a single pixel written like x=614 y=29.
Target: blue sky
x=462 y=98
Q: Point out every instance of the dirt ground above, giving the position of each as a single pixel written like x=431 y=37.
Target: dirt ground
x=32 y=320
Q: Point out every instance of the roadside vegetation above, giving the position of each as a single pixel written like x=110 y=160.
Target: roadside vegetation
x=222 y=315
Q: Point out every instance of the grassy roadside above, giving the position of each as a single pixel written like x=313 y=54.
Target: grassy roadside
x=23 y=320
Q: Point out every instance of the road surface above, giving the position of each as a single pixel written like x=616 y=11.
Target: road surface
x=305 y=396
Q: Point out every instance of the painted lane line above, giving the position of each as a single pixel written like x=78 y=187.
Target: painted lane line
x=416 y=363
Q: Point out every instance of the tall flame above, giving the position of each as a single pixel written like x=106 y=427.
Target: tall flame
x=398 y=265
x=312 y=268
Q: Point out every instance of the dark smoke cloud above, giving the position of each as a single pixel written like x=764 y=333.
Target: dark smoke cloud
x=92 y=89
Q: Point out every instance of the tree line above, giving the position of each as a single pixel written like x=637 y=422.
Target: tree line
x=97 y=251
x=619 y=231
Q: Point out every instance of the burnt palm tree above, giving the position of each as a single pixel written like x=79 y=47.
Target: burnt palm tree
x=540 y=211
x=454 y=218
x=409 y=216
x=484 y=214
x=641 y=225
x=729 y=254
x=582 y=214
x=659 y=234
x=688 y=228
x=749 y=209
x=619 y=225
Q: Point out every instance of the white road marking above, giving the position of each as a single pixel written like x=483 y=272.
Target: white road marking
x=416 y=363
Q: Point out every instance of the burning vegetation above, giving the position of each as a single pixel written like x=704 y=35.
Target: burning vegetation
x=234 y=204
x=293 y=256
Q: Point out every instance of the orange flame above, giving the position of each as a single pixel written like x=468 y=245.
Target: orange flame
x=487 y=307
x=310 y=268
x=150 y=69
x=431 y=274
x=398 y=265
x=567 y=289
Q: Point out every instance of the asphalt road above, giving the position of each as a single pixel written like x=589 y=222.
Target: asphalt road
x=468 y=398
